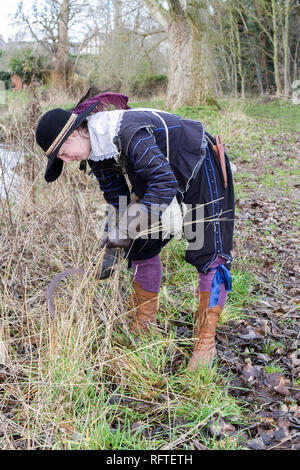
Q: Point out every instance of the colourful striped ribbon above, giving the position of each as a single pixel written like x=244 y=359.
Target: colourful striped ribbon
x=222 y=276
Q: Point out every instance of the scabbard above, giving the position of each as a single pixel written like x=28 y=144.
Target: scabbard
x=219 y=150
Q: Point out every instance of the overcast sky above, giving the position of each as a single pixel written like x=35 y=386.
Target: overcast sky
x=8 y=7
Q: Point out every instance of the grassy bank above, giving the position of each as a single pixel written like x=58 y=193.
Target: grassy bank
x=80 y=380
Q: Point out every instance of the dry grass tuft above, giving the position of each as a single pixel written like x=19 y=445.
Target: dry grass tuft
x=80 y=380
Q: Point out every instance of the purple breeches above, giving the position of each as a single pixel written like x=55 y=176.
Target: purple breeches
x=148 y=273
x=205 y=282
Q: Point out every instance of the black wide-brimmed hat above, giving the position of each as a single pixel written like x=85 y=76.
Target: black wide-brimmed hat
x=52 y=131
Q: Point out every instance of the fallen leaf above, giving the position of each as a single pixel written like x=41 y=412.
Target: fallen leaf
x=263 y=358
x=250 y=373
x=295 y=358
x=277 y=382
x=256 y=444
x=3 y=376
x=251 y=334
x=267 y=436
x=219 y=427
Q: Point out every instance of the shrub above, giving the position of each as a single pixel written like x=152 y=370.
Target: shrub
x=27 y=63
x=5 y=77
x=147 y=86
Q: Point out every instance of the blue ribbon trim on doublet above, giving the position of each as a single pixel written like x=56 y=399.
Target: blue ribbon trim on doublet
x=222 y=275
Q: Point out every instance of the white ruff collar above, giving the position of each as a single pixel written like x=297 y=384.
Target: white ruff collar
x=103 y=127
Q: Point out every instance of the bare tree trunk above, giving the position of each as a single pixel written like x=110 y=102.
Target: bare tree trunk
x=233 y=58
x=258 y=70
x=296 y=61
x=189 y=73
x=275 y=45
x=235 y=78
x=117 y=14
x=286 y=48
x=189 y=79
x=239 y=59
x=226 y=66
x=223 y=56
x=262 y=45
x=60 y=73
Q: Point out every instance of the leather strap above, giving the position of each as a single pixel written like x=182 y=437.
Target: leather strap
x=219 y=149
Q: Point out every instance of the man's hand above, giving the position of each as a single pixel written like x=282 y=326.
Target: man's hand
x=118 y=243
x=110 y=259
x=133 y=222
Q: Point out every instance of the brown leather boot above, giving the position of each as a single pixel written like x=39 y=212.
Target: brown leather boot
x=146 y=306
x=205 y=347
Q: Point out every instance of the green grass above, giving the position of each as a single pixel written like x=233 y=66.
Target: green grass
x=240 y=191
x=241 y=297
x=242 y=177
x=92 y=386
x=161 y=407
x=240 y=155
x=181 y=281
x=273 y=368
x=199 y=113
x=156 y=104
x=271 y=345
x=208 y=114
x=136 y=404
x=285 y=113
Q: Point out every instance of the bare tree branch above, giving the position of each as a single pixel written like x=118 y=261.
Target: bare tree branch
x=158 y=11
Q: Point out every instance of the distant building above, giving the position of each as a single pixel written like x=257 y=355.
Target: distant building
x=15 y=44
x=91 y=46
